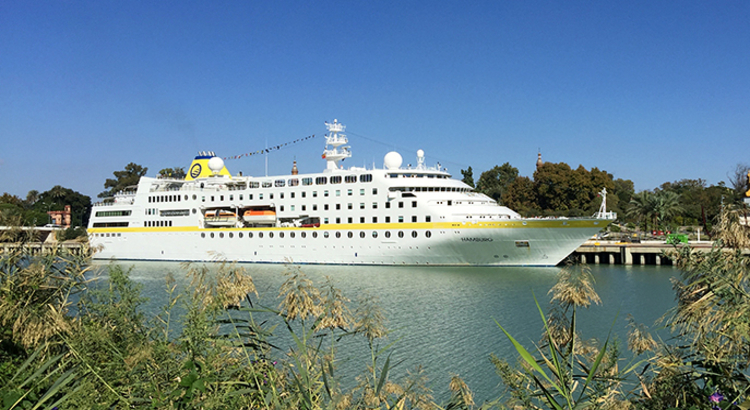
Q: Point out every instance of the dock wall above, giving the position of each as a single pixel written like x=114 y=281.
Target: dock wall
x=619 y=253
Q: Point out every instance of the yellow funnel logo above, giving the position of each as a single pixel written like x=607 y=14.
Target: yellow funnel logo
x=199 y=168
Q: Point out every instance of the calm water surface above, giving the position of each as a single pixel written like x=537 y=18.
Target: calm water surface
x=444 y=318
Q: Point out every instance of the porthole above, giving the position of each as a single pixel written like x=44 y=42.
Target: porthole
x=413 y=234
x=325 y=234
x=195 y=197
x=221 y=235
x=239 y=234
x=291 y=234
x=281 y=234
x=400 y=234
x=194 y=211
x=249 y=234
x=270 y=234
x=186 y=197
x=212 y=234
x=428 y=234
x=387 y=234
x=315 y=234
x=362 y=234
x=338 y=234
x=231 y=235
x=203 y=234
x=350 y=234
x=374 y=234
x=260 y=234
x=304 y=234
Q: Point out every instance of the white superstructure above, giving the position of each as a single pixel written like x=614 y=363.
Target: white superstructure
x=390 y=216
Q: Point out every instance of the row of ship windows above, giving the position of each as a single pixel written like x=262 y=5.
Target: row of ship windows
x=178 y=198
x=349 y=179
x=325 y=234
x=349 y=220
x=150 y=224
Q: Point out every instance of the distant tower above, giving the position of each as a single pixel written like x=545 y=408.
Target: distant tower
x=539 y=161
x=294 y=168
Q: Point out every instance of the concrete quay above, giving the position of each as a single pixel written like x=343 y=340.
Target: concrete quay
x=623 y=253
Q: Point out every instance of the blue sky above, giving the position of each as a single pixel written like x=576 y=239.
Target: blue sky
x=651 y=91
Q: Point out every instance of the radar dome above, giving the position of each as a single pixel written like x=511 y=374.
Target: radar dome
x=420 y=153
x=392 y=160
x=215 y=164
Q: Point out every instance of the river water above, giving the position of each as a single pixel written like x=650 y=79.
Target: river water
x=444 y=318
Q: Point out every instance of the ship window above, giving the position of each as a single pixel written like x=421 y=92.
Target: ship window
x=253 y=184
x=260 y=196
x=195 y=197
x=361 y=234
x=231 y=235
x=212 y=234
x=304 y=194
x=281 y=195
x=338 y=220
x=239 y=235
x=428 y=234
x=400 y=219
x=388 y=205
x=338 y=234
x=325 y=193
x=315 y=194
x=349 y=234
x=212 y=198
x=270 y=234
x=361 y=219
x=203 y=234
x=281 y=208
x=186 y=197
x=306 y=181
x=338 y=192
x=270 y=196
x=240 y=197
x=315 y=234
x=349 y=220
x=221 y=235
x=365 y=178
x=325 y=234
x=374 y=219
x=321 y=180
x=325 y=207
x=291 y=208
x=387 y=219
x=374 y=234
x=428 y=218
x=315 y=207
x=374 y=205
x=304 y=207
x=292 y=195
x=293 y=182
x=221 y=197
x=400 y=234
x=281 y=234
x=304 y=234
x=413 y=234
x=374 y=191
x=266 y=184
x=450 y=203
x=279 y=183
x=350 y=178
x=387 y=234
x=291 y=234
x=250 y=197
x=413 y=204
x=414 y=218
x=349 y=205
x=336 y=180
x=325 y=220
x=361 y=205
x=249 y=234
x=349 y=192
x=260 y=234
x=400 y=204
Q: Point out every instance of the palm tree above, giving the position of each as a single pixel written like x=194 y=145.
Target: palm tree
x=31 y=198
x=666 y=205
x=641 y=206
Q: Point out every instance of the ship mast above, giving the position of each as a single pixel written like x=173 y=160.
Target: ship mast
x=335 y=139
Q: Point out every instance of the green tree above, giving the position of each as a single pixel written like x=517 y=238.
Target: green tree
x=176 y=173
x=31 y=198
x=521 y=197
x=56 y=198
x=496 y=180
x=468 y=178
x=123 y=179
x=739 y=179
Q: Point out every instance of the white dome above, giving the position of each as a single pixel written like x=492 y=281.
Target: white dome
x=215 y=164
x=420 y=154
x=392 y=160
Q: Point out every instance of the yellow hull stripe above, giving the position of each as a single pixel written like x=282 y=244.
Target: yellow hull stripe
x=533 y=224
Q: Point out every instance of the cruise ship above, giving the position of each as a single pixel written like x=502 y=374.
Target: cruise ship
x=394 y=215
